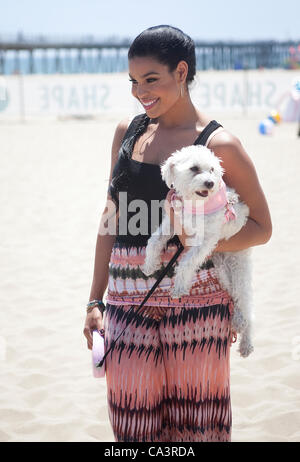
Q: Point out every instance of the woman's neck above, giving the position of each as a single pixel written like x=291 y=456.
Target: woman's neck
x=182 y=115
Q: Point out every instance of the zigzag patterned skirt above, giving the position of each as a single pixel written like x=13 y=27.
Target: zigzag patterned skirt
x=168 y=376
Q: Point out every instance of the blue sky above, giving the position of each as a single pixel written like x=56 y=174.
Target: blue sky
x=207 y=20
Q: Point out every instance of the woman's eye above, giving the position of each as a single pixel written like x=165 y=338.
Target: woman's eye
x=134 y=82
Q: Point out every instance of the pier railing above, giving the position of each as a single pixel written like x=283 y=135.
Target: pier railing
x=47 y=55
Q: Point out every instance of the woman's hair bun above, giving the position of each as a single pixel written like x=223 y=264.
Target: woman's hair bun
x=169 y=45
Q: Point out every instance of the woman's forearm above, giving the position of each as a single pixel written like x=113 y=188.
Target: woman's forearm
x=102 y=257
x=250 y=235
x=103 y=250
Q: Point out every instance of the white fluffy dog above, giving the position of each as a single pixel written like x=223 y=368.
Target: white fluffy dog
x=196 y=175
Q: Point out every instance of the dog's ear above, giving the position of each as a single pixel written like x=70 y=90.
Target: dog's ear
x=167 y=171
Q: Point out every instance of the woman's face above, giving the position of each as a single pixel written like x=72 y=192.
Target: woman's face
x=156 y=88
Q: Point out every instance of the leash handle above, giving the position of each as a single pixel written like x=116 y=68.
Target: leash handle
x=161 y=276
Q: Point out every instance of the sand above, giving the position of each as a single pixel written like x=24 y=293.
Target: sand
x=53 y=181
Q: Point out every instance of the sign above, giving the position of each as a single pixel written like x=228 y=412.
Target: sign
x=61 y=95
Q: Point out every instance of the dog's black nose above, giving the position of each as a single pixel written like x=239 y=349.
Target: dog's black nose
x=209 y=184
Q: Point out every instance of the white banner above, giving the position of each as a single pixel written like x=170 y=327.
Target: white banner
x=59 y=95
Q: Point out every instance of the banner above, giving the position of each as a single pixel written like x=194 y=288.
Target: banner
x=84 y=95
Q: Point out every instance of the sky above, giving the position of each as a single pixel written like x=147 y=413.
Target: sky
x=203 y=20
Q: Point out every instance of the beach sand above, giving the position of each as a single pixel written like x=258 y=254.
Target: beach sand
x=54 y=177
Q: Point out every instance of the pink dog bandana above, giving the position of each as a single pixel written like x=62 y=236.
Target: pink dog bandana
x=216 y=202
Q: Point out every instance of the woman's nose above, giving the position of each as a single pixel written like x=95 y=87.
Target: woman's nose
x=141 y=91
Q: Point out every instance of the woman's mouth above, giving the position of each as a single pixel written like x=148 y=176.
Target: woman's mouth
x=148 y=104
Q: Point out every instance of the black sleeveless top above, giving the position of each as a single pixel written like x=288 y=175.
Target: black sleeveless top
x=141 y=181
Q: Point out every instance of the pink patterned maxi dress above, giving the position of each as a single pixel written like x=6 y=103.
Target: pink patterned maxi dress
x=168 y=376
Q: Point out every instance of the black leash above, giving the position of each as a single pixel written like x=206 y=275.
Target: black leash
x=164 y=272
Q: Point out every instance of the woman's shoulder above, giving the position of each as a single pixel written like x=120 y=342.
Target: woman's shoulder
x=235 y=160
x=223 y=138
x=129 y=123
x=122 y=127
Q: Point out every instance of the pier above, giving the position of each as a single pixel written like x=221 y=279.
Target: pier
x=49 y=55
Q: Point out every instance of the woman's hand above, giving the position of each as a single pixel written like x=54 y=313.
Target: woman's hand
x=93 y=320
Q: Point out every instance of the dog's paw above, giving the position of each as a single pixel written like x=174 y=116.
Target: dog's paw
x=149 y=267
x=239 y=322
x=245 y=347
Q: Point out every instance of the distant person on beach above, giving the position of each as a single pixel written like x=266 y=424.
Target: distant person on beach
x=168 y=376
x=288 y=104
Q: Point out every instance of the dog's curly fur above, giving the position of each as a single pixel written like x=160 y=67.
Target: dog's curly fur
x=191 y=172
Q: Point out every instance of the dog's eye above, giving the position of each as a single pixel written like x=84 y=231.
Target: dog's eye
x=195 y=169
x=211 y=170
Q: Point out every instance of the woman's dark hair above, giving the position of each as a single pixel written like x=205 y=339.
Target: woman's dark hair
x=168 y=45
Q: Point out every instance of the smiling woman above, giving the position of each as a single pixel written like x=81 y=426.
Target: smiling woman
x=156 y=90
x=168 y=376
x=152 y=70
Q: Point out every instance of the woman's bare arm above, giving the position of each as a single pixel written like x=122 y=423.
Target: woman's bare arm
x=241 y=175
x=105 y=242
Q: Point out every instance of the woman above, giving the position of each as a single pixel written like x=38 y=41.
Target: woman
x=168 y=376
